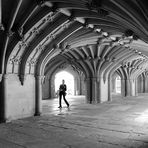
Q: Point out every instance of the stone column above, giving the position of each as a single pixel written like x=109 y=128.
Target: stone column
x=49 y=85
x=136 y=87
x=133 y=87
x=82 y=87
x=38 y=93
x=110 y=88
x=113 y=84
x=103 y=89
x=94 y=88
x=52 y=92
x=80 y=83
x=76 y=86
x=3 y=99
x=123 y=93
x=127 y=88
x=146 y=84
x=141 y=85
x=88 y=90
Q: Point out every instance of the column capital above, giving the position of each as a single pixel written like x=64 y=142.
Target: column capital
x=39 y=76
x=3 y=76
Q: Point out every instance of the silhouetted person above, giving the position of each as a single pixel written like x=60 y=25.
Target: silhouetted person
x=62 y=92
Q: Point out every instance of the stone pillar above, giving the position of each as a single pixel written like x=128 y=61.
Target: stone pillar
x=144 y=81
x=38 y=93
x=133 y=87
x=94 y=88
x=123 y=93
x=49 y=83
x=46 y=88
x=80 y=83
x=77 y=86
x=52 y=91
x=146 y=84
x=127 y=87
x=3 y=99
x=103 y=89
x=52 y=88
x=88 y=90
x=110 y=88
x=141 y=85
x=113 y=83
x=136 y=87
x=82 y=87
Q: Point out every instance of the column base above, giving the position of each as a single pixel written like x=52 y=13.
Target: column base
x=37 y=114
x=4 y=120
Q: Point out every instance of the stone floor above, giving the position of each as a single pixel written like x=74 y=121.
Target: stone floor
x=122 y=123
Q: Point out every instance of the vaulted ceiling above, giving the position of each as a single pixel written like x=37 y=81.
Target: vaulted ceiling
x=95 y=36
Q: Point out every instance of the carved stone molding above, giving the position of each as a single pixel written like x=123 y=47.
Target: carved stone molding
x=32 y=62
x=5 y=76
x=15 y=60
x=35 y=31
x=40 y=78
x=49 y=18
x=24 y=44
x=40 y=48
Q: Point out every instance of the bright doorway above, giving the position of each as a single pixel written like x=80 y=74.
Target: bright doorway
x=69 y=81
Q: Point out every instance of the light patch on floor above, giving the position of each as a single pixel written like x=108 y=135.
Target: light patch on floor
x=143 y=118
x=121 y=108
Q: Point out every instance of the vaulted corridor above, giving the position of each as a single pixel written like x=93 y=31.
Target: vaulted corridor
x=102 y=48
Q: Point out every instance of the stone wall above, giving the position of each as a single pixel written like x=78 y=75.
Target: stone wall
x=20 y=99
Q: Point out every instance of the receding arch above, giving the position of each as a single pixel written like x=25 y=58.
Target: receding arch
x=77 y=77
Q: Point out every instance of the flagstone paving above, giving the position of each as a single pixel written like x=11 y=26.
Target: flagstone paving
x=122 y=123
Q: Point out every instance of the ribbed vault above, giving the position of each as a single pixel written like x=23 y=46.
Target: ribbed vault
x=98 y=37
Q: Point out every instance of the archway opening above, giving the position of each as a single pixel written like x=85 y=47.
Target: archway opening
x=118 y=85
x=69 y=81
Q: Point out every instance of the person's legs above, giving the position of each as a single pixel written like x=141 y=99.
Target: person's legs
x=65 y=100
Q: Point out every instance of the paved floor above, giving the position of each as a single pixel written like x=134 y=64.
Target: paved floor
x=122 y=123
